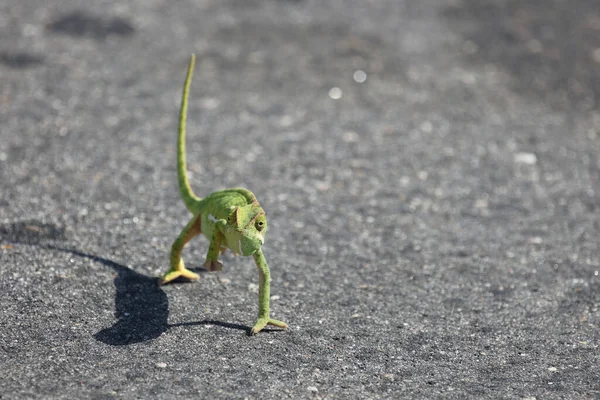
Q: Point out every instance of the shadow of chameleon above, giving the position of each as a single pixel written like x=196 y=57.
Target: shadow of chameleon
x=141 y=306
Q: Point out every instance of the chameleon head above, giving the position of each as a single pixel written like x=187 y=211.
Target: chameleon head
x=250 y=227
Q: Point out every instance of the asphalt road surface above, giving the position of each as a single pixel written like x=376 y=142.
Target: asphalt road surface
x=430 y=171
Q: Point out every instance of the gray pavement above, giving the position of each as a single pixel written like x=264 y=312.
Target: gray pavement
x=434 y=228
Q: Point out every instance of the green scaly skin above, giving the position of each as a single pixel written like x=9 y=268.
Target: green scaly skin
x=230 y=219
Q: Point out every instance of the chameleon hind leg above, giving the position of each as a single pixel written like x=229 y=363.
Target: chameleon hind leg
x=192 y=229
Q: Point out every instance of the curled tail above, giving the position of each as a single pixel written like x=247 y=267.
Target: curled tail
x=189 y=198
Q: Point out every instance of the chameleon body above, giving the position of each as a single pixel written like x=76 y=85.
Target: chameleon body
x=230 y=219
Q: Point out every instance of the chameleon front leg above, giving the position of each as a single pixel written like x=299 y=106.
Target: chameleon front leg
x=193 y=228
x=212 y=257
x=264 y=295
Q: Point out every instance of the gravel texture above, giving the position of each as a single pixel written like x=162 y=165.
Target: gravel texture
x=430 y=170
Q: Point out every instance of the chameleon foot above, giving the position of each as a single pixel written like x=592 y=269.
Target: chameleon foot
x=262 y=322
x=213 y=265
x=174 y=274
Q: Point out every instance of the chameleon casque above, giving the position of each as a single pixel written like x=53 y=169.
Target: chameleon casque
x=230 y=219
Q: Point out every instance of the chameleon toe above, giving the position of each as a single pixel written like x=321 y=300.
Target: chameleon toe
x=279 y=324
x=262 y=322
x=185 y=273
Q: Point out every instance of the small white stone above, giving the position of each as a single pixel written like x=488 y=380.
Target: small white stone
x=31 y=30
x=535 y=46
x=335 y=93
x=312 y=389
x=481 y=203
x=322 y=186
x=209 y=103
x=161 y=365
x=526 y=158
x=552 y=369
x=253 y=287
x=286 y=121
x=350 y=137
x=596 y=55
x=426 y=127
x=359 y=76
x=468 y=78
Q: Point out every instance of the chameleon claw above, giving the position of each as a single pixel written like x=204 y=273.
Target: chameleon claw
x=174 y=274
x=213 y=265
x=262 y=322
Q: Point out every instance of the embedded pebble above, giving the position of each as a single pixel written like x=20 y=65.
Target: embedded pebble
x=335 y=93
x=596 y=55
x=526 y=158
x=426 y=127
x=359 y=76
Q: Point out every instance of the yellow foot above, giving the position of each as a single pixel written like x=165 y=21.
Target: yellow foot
x=213 y=265
x=262 y=322
x=174 y=274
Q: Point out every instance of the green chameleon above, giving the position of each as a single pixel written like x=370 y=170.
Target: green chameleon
x=230 y=219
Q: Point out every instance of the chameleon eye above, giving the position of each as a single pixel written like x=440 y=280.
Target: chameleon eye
x=260 y=225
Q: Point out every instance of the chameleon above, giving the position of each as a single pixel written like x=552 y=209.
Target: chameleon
x=230 y=219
